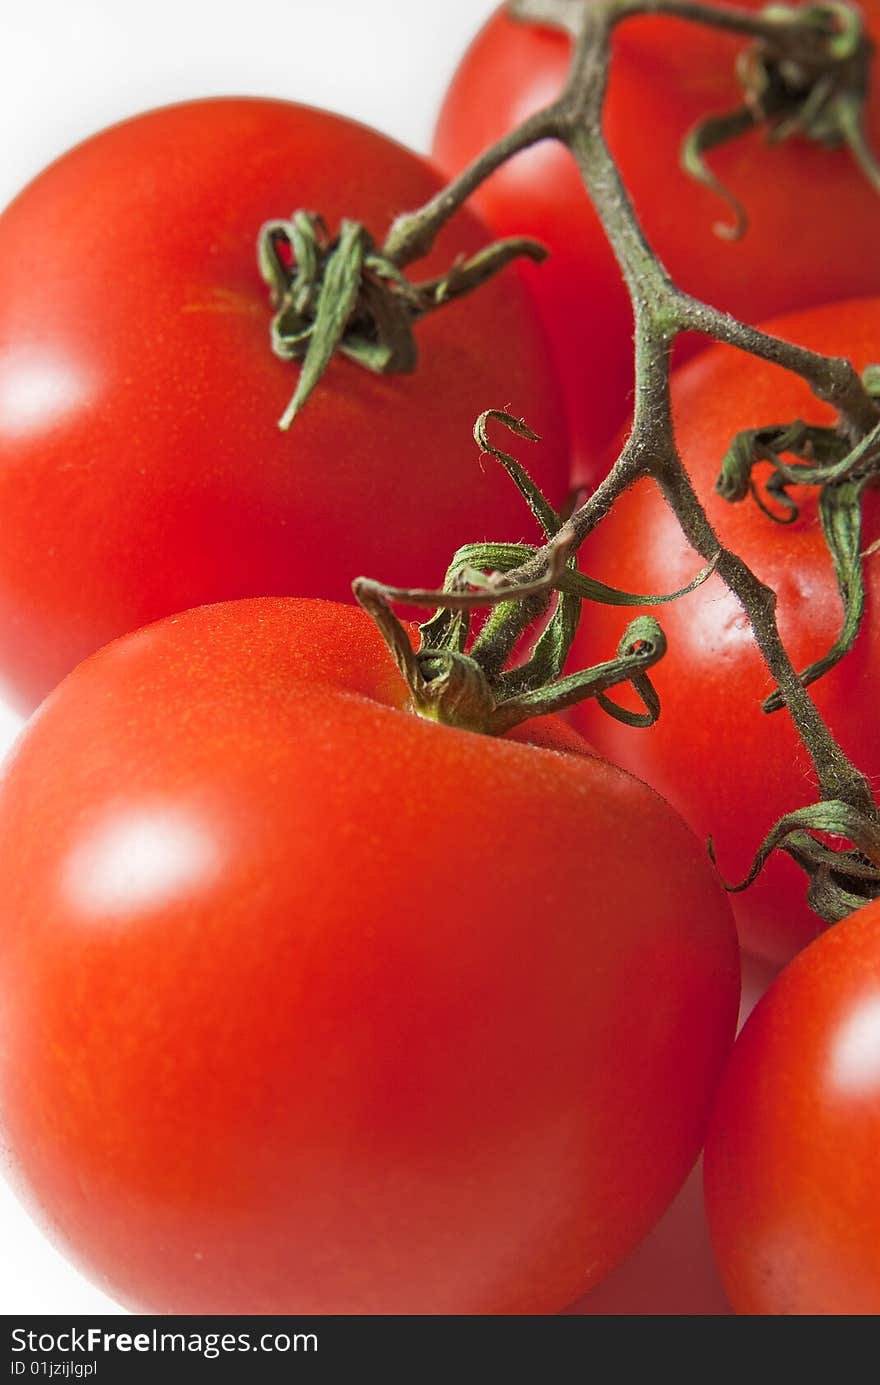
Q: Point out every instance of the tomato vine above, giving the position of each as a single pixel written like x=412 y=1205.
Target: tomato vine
x=813 y=61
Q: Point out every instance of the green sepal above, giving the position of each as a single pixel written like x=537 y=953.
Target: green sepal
x=478 y=558
x=840 y=510
x=709 y=134
x=832 y=873
x=643 y=645
x=373 y=596
x=554 y=645
x=537 y=502
x=828 y=454
x=589 y=589
x=466 y=275
x=336 y=302
x=841 y=471
x=849 y=122
x=390 y=345
x=871 y=379
x=346 y=295
x=447 y=628
x=645 y=689
x=790 y=90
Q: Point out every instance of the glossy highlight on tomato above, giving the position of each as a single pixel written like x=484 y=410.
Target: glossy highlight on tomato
x=310 y=1005
x=814 y=220
x=141 y=467
x=792 y=1175
x=728 y=767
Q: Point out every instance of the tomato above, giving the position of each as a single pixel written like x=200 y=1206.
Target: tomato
x=311 y=1005
x=141 y=467
x=728 y=767
x=671 y=1273
x=813 y=219
x=792 y=1177
x=673 y=1270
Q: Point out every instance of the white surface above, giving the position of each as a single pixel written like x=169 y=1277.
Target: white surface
x=69 y=67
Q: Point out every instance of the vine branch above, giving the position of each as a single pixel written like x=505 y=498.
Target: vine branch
x=813 y=37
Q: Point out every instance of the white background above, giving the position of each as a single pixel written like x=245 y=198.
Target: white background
x=68 y=67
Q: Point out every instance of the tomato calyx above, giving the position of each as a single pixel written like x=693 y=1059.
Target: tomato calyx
x=842 y=863
x=451 y=687
x=344 y=293
x=841 y=469
x=472 y=683
x=841 y=878
x=807 y=75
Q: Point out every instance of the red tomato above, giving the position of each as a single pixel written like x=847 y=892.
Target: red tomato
x=792 y=1174
x=673 y=1270
x=310 y=1005
x=808 y=207
x=141 y=467
x=671 y=1273
x=729 y=768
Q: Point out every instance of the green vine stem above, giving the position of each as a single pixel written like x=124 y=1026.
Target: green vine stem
x=811 y=37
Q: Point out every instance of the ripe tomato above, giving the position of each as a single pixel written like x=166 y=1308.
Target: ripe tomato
x=673 y=1270
x=310 y=1005
x=728 y=767
x=141 y=467
x=808 y=207
x=671 y=1273
x=792 y=1177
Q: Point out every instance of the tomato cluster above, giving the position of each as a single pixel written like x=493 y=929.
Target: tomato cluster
x=141 y=399
x=375 y=1069
x=309 y=1003
x=754 y=767
x=812 y=222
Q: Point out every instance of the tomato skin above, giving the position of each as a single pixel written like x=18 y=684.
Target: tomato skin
x=731 y=770
x=807 y=206
x=282 y=1029
x=791 y=1174
x=141 y=467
